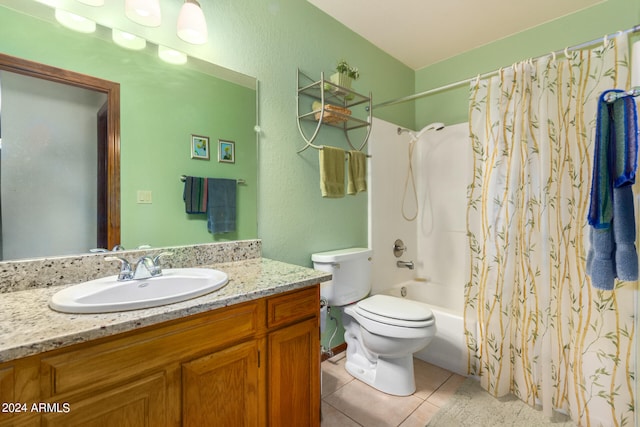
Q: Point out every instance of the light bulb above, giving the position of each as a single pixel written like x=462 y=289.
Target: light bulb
x=128 y=40
x=93 y=2
x=144 y=12
x=171 y=56
x=75 y=22
x=192 y=26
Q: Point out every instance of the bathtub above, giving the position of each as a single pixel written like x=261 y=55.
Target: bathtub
x=448 y=349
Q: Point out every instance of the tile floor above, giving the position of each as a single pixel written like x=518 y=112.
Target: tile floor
x=347 y=402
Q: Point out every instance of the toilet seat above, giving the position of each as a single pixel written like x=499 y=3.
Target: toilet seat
x=395 y=311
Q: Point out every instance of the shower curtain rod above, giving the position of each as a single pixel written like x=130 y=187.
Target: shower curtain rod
x=631 y=30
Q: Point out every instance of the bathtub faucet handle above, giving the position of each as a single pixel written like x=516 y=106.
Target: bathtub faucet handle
x=398 y=248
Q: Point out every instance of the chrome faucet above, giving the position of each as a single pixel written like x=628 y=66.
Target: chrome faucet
x=405 y=264
x=145 y=268
x=125 y=268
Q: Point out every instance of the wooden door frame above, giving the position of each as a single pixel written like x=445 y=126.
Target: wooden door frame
x=112 y=90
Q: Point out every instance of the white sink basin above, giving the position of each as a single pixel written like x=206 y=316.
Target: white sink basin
x=108 y=294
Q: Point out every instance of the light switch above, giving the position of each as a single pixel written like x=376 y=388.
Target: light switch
x=144 y=196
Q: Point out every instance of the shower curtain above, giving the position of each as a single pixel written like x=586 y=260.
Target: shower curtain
x=543 y=333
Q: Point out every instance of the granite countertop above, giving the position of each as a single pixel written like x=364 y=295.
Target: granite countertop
x=28 y=326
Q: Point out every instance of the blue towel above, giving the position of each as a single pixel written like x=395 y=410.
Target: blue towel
x=221 y=205
x=601 y=259
x=624 y=234
x=612 y=252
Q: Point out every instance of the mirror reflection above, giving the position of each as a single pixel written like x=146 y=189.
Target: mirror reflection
x=161 y=107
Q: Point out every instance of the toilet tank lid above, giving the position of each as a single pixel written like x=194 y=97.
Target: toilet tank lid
x=341 y=255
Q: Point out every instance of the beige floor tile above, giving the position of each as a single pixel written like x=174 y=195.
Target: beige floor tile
x=421 y=416
x=444 y=393
x=334 y=375
x=428 y=378
x=370 y=407
x=331 y=417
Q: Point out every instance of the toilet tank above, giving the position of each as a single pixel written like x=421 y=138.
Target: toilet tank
x=351 y=270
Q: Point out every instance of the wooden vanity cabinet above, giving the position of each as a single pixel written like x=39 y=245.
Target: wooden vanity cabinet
x=251 y=364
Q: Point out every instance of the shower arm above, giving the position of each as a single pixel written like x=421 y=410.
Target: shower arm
x=433 y=126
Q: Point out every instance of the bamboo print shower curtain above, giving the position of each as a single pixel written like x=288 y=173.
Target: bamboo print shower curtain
x=543 y=333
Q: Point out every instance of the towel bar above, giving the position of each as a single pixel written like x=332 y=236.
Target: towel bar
x=612 y=96
x=238 y=181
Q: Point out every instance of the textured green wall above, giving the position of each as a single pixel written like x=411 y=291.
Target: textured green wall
x=161 y=106
x=451 y=106
x=275 y=38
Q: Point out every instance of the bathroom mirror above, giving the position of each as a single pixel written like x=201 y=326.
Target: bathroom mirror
x=161 y=107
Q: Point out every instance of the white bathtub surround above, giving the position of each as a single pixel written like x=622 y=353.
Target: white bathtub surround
x=436 y=240
x=444 y=164
x=550 y=338
x=387 y=173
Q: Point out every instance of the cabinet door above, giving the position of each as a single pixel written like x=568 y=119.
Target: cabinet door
x=294 y=375
x=137 y=404
x=221 y=389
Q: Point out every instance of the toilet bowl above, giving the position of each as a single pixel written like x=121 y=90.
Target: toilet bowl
x=381 y=331
x=380 y=347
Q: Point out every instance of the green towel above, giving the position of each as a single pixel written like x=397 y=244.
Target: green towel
x=357 y=177
x=331 y=172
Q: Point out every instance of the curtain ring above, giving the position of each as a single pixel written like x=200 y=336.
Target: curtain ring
x=605 y=40
x=566 y=52
x=553 y=56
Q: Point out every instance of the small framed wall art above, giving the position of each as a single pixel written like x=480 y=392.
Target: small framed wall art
x=200 y=147
x=226 y=151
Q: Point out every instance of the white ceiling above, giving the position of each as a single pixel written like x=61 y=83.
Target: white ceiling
x=422 y=32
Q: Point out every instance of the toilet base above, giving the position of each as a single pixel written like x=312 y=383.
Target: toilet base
x=389 y=375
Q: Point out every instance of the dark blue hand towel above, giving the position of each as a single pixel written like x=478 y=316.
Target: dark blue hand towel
x=221 y=205
x=195 y=195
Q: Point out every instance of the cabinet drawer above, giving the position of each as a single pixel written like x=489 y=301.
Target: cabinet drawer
x=293 y=306
x=152 y=348
x=140 y=403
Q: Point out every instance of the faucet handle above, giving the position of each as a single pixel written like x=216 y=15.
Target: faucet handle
x=125 y=267
x=156 y=259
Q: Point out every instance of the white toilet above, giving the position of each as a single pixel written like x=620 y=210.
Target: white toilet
x=382 y=332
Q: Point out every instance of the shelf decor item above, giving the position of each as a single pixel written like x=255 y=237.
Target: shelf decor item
x=345 y=74
x=329 y=115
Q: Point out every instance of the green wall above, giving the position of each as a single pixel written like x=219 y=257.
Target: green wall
x=451 y=106
x=161 y=106
x=270 y=40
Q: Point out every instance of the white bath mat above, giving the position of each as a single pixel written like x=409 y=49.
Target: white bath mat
x=471 y=406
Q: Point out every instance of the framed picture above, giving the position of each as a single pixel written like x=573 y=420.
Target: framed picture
x=200 y=147
x=226 y=151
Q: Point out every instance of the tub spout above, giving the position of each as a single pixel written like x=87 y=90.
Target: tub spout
x=405 y=264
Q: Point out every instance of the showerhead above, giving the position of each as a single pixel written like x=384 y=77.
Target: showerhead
x=433 y=126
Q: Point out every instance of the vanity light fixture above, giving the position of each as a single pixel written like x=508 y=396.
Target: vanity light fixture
x=75 y=22
x=93 y=2
x=171 y=56
x=144 y=12
x=128 y=40
x=192 y=26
